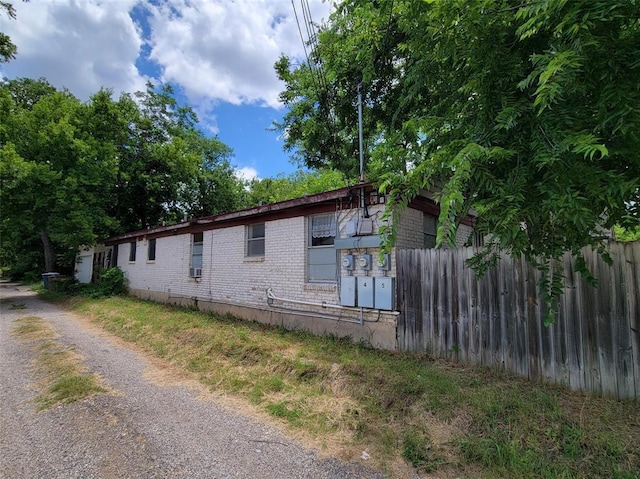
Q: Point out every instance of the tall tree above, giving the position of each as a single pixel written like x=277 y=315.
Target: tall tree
x=167 y=167
x=215 y=188
x=72 y=173
x=54 y=182
x=525 y=111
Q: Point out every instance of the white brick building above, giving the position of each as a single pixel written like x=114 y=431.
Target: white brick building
x=308 y=263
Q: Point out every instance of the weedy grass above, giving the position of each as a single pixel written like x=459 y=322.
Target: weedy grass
x=61 y=377
x=437 y=416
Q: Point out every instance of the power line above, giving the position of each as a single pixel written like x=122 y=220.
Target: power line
x=315 y=63
x=304 y=46
x=313 y=40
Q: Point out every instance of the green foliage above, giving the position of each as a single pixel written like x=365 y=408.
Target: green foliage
x=524 y=112
x=111 y=282
x=295 y=185
x=626 y=235
x=7 y=49
x=72 y=173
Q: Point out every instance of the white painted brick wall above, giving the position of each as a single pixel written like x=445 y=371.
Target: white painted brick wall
x=227 y=275
x=230 y=277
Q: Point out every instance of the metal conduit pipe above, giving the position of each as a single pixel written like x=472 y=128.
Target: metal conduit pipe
x=271 y=297
x=333 y=317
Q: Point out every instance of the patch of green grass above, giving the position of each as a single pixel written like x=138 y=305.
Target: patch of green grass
x=416 y=448
x=61 y=377
x=68 y=388
x=290 y=412
x=436 y=415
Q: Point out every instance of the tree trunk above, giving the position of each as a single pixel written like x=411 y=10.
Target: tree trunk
x=49 y=255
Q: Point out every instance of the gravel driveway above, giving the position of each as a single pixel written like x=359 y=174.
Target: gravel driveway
x=141 y=429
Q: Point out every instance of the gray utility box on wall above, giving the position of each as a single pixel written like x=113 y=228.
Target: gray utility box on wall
x=348 y=291
x=383 y=294
x=365 y=291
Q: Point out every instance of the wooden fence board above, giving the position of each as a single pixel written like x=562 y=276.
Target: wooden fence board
x=622 y=327
x=496 y=320
x=632 y=261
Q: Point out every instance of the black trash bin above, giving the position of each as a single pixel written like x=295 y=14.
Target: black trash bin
x=45 y=278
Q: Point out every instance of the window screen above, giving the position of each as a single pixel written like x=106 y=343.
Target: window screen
x=195 y=269
x=132 y=251
x=255 y=240
x=430 y=230
x=321 y=254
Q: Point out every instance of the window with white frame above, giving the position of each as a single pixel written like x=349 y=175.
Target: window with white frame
x=255 y=240
x=321 y=254
x=195 y=268
x=132 y=251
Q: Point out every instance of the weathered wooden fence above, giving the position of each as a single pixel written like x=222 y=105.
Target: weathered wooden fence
x=497 y=320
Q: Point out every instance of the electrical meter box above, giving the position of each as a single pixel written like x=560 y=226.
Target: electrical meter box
x=365 y=291
x=348 y=291
x=348 y=262
x=384 y=293
x=384 y=263
x=364 y=261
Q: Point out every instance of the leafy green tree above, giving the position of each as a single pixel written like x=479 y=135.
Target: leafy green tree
x=54 y=182
x=524 y=111
x=297 y=184
x=215 y=189
x=72 y=173
x=7 y=49
x=167 y=167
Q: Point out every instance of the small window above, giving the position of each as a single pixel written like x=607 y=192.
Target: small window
x=195 y=268
x=321 y=254
x=151 y=250
x=323 y=230
x=430 y=230
x=132 y=251
x=255 y=240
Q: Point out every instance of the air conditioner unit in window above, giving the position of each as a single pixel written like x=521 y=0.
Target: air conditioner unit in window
x=195 y=272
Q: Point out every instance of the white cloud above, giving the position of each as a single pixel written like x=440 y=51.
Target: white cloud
x=215 y=50
x=226 y=50
x=78 y=44
x=212 y=51
x=246 y=173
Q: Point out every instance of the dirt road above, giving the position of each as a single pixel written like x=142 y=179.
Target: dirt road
x=142 y=428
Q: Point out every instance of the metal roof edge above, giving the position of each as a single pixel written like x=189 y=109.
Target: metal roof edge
x=240 y=214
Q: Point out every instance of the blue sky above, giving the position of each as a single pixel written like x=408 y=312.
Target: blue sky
x=218 y=55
